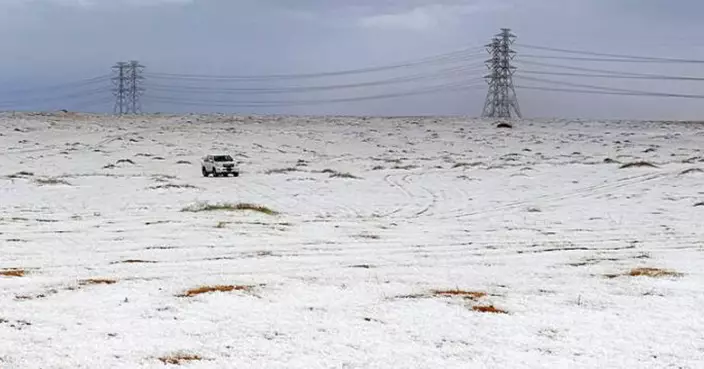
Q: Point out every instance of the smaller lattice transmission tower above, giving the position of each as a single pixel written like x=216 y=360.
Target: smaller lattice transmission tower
x=128 y=89
x=501 y=100
x=120 y=91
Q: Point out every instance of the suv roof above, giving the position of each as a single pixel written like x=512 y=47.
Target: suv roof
x=221 y=158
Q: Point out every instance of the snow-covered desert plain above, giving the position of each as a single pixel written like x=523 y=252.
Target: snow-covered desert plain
x=381 y=243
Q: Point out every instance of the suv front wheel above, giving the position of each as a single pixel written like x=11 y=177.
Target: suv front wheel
x=205 y=172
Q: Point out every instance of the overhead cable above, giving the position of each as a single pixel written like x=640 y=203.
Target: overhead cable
x=618 y=56
x=463 y=55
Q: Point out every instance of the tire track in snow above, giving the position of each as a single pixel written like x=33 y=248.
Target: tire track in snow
x=583 y=192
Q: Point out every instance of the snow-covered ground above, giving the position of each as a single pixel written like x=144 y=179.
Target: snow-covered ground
x=346 y=274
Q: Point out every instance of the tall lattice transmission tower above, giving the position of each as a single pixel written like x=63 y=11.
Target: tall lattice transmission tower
x=501 y=100
x=128 y=87
x=120 y=71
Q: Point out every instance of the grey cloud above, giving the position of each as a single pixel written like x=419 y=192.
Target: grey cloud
x=47 y=41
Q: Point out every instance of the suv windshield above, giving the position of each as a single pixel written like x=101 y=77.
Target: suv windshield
x=222 y=158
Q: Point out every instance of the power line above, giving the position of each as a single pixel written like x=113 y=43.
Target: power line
x=596 y=70
x=54 y=98
x=622 y=57
x=616 y=76
x=611 y=89
x=635 y=93
x=62 y=86
x=274 y=103
x=611 y=60
x=445 y=73
x=466 y=54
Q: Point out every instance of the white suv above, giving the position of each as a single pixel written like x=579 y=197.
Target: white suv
x=218 y=165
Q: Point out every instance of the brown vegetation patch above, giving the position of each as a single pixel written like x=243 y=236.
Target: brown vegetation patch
x=200 y=207
x=157 y=222
x=368 y=236
x=653 y=272
x=639 y=164
x=461 y=165
x=646 y=272
x=137 y=261
x=282 y=170
x=405 y=167
x=95 y=281
x=699 y=204
x=178 y=359
x=211 y=289
x=52 y=181
x=172 y=185
x=344 y=175
x=489 y=309
x=474 y=295
x=12 y=273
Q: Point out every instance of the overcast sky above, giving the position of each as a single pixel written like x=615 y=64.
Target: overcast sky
x=48 y=42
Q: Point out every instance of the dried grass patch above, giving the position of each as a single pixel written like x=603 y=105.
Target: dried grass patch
x=646 y=272
x=201 y=207
x=173 y=185
x=344 y=175
x=489 y=309
x=464 y=165
x=178 y=359
x=13 y=273
x=51 y=181
x=653 y=273
x=137 y=261
x=368 y=236
x=474 y=295
x=282 y=170
x=405 y=167
x=210 y=289
x=96 y=281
